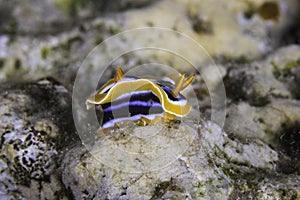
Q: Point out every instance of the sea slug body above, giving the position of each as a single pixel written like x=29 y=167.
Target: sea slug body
x=140 y=99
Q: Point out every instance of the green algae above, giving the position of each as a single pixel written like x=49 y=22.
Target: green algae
x=70 y=6
x=45 y=51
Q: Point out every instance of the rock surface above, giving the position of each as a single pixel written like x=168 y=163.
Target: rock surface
x=243 y=31
x=264 y=97
x=35 y=127
x=256 y=46
x=208 y=168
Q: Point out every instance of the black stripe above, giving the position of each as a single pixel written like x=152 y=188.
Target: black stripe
x=135 y=107
x=170 y=95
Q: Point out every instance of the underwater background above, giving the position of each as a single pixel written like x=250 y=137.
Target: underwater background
x=240 y=141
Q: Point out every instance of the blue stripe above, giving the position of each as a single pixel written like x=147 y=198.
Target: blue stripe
x=132 y=103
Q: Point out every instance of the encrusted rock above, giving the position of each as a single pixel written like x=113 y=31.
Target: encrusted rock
x=260 y=187
x=264 y=96
x=265 y=104
x=205 y=168
x=247 y=25
x=256 y=157
x=35 y=127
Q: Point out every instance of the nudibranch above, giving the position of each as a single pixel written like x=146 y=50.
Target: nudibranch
x=141 y=99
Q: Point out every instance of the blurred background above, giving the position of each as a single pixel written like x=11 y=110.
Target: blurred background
x=52 y=37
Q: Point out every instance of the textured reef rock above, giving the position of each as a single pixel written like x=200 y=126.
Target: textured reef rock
x=265 y=104
x=255 y=156
x=264 y=95
x=207 y=168
x=231 y=28
x=54 y=16
x=35 y=126
x=247 y=29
